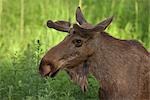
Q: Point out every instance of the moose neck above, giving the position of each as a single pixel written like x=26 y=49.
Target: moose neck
x=119 y=66
x=114 y=58
x=102 y=63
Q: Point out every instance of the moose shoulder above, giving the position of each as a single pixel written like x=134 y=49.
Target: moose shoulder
x=121 y=66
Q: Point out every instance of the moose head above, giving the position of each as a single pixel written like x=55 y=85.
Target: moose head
x=78 y=46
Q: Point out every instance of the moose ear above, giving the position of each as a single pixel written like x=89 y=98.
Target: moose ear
x=59 y=25
x=103 y=25
x=79 y=16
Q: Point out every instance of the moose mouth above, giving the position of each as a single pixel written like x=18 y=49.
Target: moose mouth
x=53 y=74
x=52 y=69
x=48 y=69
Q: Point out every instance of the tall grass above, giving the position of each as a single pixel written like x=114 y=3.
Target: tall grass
x=24 y=38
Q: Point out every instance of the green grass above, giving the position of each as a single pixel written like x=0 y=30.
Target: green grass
x=23 y=23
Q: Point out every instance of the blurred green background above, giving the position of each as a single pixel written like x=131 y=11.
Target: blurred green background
x=24 y=38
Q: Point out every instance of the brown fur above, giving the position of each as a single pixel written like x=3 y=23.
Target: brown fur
x=122 y=67
x=79 y=76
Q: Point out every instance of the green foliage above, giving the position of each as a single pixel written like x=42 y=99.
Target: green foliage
x=24 y=38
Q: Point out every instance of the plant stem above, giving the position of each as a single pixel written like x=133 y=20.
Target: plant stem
x=22 y=18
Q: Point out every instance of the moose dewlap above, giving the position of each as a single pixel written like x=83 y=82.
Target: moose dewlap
x=122 y=67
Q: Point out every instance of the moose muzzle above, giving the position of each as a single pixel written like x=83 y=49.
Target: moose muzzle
x=46 y=69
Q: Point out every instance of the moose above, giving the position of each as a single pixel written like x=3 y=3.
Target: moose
x=79 y=75
x=122 y=67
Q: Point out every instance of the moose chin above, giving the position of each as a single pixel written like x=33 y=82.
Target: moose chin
x=122 y=67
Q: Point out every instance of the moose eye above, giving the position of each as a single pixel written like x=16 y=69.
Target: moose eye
x=77 y=42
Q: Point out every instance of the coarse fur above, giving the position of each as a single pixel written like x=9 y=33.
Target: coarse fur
x=79 y=75
x=122 y=67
